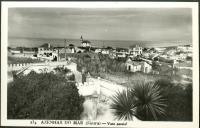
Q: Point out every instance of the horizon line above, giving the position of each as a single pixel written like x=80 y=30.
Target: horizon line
x=189 y=40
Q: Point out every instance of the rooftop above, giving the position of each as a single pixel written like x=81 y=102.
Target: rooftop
x=86 y=41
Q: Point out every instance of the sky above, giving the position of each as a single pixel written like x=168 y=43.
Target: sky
x=146 y=24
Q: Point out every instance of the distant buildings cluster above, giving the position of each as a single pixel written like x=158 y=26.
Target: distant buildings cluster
x=131 y=54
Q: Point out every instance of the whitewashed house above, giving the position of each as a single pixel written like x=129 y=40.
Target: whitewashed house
x=160 y=50
x=66 y=50
x=46 y=51
x=14 y=51
x=146 y=54
x=98 y=50
x=185 y=48
x=105 y=51
x=134 y=66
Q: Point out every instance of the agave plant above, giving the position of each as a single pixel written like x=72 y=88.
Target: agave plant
x=150 y=103
x=143 y=101
x=124 y=106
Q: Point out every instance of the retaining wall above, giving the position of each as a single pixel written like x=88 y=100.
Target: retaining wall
x=69 y=65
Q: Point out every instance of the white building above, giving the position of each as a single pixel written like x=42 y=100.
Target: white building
x=47 y=52
x=160 y=50
x=121 y=52
x=105 y=51
x=135 y=66
x=98 y=50
x=86 y=43
x=135 y=50
x=13 y=51
x=185 y=48
x=66 y=50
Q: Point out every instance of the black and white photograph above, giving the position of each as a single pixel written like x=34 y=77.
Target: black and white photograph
x=100 y=64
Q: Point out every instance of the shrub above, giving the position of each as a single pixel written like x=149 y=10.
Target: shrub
x=179 y=103
x=164 y=83
x=67 y=73
x=19 y=60
x=143 y=101
x=43 y=96
x=179 y=100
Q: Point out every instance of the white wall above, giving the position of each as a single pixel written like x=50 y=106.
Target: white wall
x=134 y=68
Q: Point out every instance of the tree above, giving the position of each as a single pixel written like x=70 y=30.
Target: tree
x=145 y=49
x=71 y=45
x=155 y=66
x=109 y=47
x=143 y=101
x=189 y=58
x=43 y=96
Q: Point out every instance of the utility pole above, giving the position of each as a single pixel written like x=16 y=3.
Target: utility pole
x=65 y=48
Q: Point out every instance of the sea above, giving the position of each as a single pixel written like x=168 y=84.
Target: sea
x=58 y=42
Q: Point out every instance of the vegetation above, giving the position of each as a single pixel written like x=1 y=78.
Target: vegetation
x=149 y=101
x=143 y=100
x=161 y=100
x=156 y=66
x=65 y=72
x=96 y=64
x=43 y=96
x=184 y=64
x=187 y=72
x=124 y=105
x=179 y=100
x=189 y=58
x=161 y=59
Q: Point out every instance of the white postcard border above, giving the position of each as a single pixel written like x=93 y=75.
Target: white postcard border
x=145 y=124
